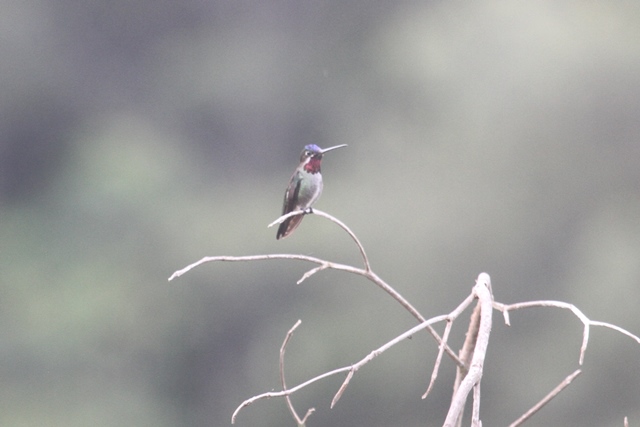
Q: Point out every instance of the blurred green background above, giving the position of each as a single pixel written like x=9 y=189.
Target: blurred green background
x=139 y=136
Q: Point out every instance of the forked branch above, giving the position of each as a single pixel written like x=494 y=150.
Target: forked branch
x=587 y=323
x=323 y=265
x=350 y=369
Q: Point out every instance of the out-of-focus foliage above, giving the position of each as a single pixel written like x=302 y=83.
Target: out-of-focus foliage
x=137 y=137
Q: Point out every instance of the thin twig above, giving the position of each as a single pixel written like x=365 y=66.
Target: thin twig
x=322 y=265
x=375 y=353
x=300 y=421
x=553 y=393
x=285 y=392
x=436 y=366
x=451 y=317
x=226 y=258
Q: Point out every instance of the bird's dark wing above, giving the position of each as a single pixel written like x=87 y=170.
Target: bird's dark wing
x=290 y=200
x=289 y=205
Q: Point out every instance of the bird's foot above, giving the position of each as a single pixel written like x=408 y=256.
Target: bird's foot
x=308 y=211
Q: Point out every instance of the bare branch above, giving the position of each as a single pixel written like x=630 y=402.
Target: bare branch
x=615 y=328
x=351 y=369
x=300 y=421
x=450 y=319
x=466 y=353
x=436 y=366
x=323 y=265
x=285 y=392
x=381 y=350
x=331 y=218
x=575 y=310
x=365 y=259
x=244 y=259
x=553 y=393
x=311 y=272
x=475 y=415
x=388 y=289
x=482 y=290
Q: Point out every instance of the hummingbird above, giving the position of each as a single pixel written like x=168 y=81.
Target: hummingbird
x=304 y=187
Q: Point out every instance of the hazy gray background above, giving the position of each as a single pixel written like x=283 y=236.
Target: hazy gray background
x=138 y=136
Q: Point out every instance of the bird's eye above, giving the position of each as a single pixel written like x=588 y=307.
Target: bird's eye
x=308 y=154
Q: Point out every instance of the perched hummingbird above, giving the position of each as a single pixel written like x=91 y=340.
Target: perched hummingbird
x=304 y=188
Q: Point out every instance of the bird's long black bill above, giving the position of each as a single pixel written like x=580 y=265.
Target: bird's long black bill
x=324 y=150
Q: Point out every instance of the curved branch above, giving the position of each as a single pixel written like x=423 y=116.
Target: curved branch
x=244 y=258
x=587 y=323
x=331 y=218
x=285 y=392
x=300 y=421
